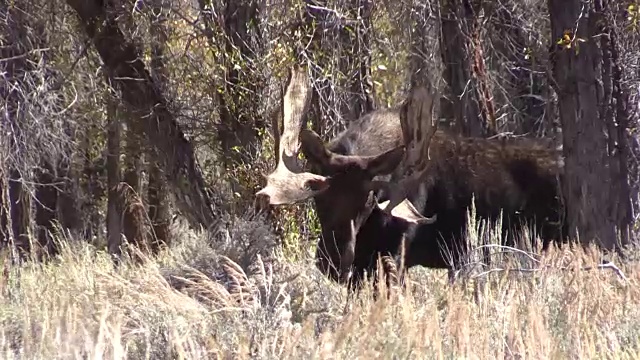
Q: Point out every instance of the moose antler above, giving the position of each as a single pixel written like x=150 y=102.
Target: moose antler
x=418 y=129
x=288 y=184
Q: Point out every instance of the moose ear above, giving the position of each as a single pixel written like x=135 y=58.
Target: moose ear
x=385 y=163
x=313 y=147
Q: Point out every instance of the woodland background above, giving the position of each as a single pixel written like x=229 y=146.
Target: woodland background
x=147 y=124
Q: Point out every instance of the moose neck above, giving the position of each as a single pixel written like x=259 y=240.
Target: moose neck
x=338 y=241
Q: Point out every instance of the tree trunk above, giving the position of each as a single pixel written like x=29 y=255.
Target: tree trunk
x=92 y=188
x=525 y=86
x=617 y=120
x=19 y=211
x=343 y=88
x=420 y=48
x=156 y=192
x=310 y=50
x=139 y=92
x=470 y=96
x=13 y=67
x=114 y=205
x=356 y=64
x=133 y=225
x=240 y=117
x=67 y=206
x=4 y=212
x=158 y=209
x=628 y=82
x=594 y=117
x=45 y=214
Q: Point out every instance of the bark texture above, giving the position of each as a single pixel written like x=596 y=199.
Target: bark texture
x=594 y=116
x=469 y=91
x=45 y=213
x=141 y=95
x=240 y=117
x=157 y=198
x=114 y=205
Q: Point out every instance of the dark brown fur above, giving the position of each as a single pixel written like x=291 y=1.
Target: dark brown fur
x=501 y=175
x=516 y=176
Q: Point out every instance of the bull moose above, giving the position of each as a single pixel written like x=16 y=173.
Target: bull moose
x=370 y=180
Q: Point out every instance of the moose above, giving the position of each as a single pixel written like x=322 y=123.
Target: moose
x=370 y=180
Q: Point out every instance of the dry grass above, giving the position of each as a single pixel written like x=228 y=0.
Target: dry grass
x=195 y=303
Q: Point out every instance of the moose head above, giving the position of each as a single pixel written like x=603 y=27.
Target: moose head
x=344 y=184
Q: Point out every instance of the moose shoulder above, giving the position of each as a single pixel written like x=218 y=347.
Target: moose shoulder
x=390 y=176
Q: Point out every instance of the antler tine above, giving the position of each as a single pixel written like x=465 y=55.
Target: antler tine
x=287 y=184
x=418 y=128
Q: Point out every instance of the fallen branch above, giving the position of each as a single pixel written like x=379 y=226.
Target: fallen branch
x=467 y=268
x=604 y=266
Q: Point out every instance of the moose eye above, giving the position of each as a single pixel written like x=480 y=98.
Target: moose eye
x=317 y=185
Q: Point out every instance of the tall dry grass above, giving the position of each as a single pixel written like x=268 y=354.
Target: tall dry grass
x=196 y=301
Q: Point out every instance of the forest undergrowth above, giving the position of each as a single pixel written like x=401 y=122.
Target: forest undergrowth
x=177 y=100
x=232 y=294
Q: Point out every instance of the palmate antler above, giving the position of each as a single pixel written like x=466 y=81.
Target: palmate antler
x=418 y=128
x=288 y=184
